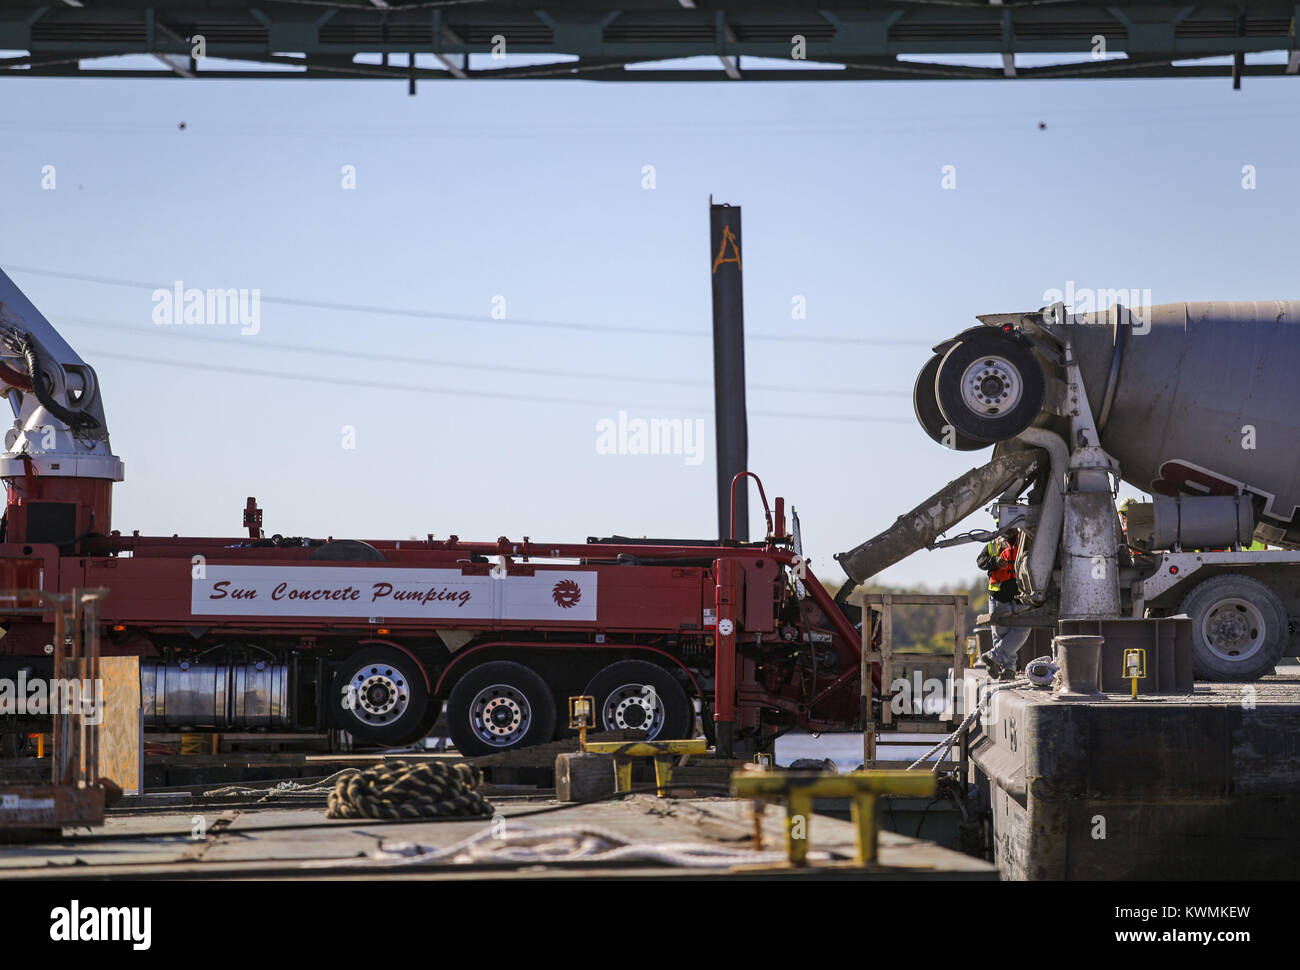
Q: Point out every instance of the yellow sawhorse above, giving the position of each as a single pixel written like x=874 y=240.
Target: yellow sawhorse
x=663 y=753
x=798 y=789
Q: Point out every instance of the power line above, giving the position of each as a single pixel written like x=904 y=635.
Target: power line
x=1191 y=113
x=262 y=343
x=465 y=317
x=319 y=379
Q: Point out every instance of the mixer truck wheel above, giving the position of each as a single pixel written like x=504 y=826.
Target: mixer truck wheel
x=990 y=386
x=926 y=405
x=633 y=695
x=499 y=706
x=944 y=346
x=1239 y=628
x=380 y=697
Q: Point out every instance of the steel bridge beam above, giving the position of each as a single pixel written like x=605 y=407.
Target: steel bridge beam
x=875 y=39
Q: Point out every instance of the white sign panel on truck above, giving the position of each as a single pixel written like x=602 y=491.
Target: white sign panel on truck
x=348 y=592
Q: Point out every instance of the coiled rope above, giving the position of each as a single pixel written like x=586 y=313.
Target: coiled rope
x=1041 y=671
x=400 y=789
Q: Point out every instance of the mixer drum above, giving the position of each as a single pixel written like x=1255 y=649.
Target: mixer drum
x=1203 y=399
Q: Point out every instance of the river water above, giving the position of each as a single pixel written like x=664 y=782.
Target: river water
x=846 y=749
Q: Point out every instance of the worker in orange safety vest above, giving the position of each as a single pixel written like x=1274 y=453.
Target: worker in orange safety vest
x=998 y=559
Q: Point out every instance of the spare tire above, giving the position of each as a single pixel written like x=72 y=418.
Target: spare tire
x=925 y=403
x=990 y=386
x=346 y=550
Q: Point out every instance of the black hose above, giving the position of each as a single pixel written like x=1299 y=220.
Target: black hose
x=77 y=420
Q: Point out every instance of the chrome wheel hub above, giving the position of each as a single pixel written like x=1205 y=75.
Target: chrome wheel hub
x=378 y=694
x=634 y=707
x=1234 y=629
x=991 y=385
x=500 y=715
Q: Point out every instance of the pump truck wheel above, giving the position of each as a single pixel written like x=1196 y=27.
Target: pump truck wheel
x=990 y=386
x=499 y=706
x=380 y=697
x=926 y=405
x=1239 y=628
x=633 y=695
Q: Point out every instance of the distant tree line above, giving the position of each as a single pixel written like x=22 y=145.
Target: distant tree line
x=928 y=629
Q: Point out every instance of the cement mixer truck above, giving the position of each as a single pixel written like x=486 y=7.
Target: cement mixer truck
x=1197 y=404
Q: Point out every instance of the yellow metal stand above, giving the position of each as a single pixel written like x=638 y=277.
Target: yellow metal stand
x=1135 y=667
x=663 y=753
x=798 y=790
x=582 y=715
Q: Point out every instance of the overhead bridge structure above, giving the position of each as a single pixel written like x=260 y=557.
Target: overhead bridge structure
x=647 y=40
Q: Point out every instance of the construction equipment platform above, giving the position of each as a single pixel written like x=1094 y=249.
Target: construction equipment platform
x=297 y=842
x=1180 y=786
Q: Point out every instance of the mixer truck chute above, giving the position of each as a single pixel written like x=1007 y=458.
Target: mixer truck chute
x=1196 y=403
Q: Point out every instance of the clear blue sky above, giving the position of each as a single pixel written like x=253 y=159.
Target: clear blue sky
x=533 y=191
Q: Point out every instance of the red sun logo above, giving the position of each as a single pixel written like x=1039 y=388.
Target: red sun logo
x=566 y=594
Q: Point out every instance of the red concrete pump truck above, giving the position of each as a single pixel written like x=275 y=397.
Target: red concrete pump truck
x=302 y=634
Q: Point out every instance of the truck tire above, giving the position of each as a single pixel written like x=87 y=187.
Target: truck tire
x=633 y=695
x=379 y=697
x=990 y=386
x=500 y=706
x=925 y=403
x=1239 y=628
